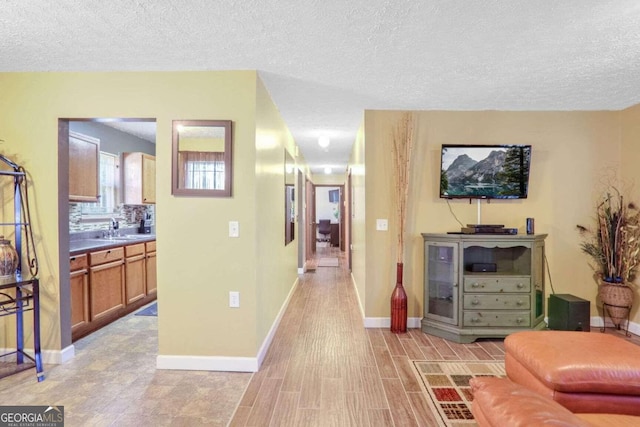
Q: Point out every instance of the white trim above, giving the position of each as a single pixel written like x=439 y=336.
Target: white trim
x=230 y=364
x=385 y=322
x=274 y=327
x=301 y=270
x=59 y=356
x=353 y=282
x=208 y=363
x=49 y=357
x=596 y=322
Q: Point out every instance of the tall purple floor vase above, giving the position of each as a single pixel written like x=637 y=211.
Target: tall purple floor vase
x=399 y=304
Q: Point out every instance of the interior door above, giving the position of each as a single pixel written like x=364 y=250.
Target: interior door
x=311 y=220
x=348 y=215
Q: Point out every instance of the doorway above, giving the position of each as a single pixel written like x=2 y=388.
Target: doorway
x=87 y=213
x=329 y=216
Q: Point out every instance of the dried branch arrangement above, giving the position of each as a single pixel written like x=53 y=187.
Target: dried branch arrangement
x=614 y=243
x=402 y=149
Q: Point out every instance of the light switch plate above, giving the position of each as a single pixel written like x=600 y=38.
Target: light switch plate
x=234 y=299
x=234 y=229
x=382 y=224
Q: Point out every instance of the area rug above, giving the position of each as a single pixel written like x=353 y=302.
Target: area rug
x=447 y=385
x=152 y=310
x=328 y=262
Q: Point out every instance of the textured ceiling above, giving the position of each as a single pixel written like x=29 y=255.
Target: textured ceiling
x=325 y=62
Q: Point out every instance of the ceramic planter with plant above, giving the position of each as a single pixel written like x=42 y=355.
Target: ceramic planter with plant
x=614 y=247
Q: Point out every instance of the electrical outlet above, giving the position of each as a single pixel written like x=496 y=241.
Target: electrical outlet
x=234 y=299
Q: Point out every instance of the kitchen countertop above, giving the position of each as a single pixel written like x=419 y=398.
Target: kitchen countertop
x=80 y=246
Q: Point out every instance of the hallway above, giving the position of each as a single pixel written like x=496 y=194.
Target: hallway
x=325 y=369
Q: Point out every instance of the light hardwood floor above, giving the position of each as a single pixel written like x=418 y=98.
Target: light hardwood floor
x=322 y=369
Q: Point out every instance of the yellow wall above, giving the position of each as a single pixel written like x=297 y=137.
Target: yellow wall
x=198 y=264
x=357 y=212
x=630 y=155
x=277 y=264
x=571 y=153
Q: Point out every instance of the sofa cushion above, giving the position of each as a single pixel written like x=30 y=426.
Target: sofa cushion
x=501 y=402
x=578 y=362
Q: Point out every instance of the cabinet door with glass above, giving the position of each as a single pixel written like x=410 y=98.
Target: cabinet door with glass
x=441 y=282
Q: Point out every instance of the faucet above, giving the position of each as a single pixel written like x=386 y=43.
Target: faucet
x=113 y=226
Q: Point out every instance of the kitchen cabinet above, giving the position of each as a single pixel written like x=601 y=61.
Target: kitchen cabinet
x=79 y=284
x=139 y=178
x=84 y=152
x=110 y=283
x=134 y=272
x=482 y=286
x=152 y=280
x=106 y=279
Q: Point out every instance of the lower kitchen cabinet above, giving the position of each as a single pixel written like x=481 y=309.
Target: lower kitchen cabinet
x=106 y=282
x=79 y=284
x=134 y=272
x=152 y=280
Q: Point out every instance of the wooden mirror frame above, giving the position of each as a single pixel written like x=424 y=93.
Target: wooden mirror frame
x=290 y=171
x=176 y=188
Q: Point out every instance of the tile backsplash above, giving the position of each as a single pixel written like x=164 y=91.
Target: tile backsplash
x=128 y=216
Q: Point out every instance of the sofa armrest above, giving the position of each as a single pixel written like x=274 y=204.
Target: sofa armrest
x=501 y=402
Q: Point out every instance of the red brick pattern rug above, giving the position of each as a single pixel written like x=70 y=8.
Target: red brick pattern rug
x=447 y=385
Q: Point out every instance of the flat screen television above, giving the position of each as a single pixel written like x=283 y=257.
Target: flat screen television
x=484 y=171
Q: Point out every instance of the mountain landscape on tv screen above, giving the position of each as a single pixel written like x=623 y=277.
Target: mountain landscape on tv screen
x=503 y=173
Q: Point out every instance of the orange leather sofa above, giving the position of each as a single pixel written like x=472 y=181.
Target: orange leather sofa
x=584 y=372
x=499 y=402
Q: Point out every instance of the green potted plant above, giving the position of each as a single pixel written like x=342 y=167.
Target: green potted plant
x=614 y=247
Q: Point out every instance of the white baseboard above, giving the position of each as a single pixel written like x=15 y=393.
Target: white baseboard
x=49 y=357
x=385 y=322
x=230 y=364
x=353 y=283
x=208 y=363
x=274 y=327
x=301 y=270
x=596 y=322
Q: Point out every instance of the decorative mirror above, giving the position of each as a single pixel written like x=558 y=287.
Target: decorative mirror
x=201 y=158
x=289 y=197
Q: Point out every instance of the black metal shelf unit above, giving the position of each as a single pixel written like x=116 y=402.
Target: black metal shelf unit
x=20 y=293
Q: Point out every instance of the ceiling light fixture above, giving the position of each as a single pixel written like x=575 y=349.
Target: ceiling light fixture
x=324 y=141
x=327 y=170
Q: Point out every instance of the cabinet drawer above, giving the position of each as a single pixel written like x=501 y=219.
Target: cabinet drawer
x=151 y=246
x=108 y=255
x=497 y=284
x=133 y=250
x=78 y=262
x=497 y=302
x=509 y=319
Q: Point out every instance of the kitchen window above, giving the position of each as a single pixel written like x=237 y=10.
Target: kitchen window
x=109 y=187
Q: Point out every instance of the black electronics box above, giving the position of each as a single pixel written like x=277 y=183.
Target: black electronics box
x=488 y=230
x=569 y=313
x=484 y=267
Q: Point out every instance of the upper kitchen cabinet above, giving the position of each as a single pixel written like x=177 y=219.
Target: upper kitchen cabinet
x=84 y=152
x=139 y=178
